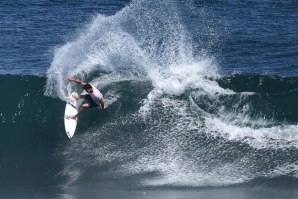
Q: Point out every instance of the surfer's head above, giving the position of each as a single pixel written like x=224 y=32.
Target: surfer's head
x=88 y=88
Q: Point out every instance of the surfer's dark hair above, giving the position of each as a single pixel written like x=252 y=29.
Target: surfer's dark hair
x=87 y=86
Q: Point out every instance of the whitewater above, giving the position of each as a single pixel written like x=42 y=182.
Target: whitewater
x=146 y=42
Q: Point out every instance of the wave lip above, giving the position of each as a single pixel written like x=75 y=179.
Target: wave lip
x=124 y=44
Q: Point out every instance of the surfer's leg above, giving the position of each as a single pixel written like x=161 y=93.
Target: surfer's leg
x=91 y=103
x=83 y=107
x=83 y=96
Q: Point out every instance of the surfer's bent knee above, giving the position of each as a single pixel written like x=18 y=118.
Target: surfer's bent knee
x=85 y=106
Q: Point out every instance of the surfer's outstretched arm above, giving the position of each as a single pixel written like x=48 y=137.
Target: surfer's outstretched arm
x=76 y=81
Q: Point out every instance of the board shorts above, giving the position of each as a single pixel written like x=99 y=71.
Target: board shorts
x=90 y=102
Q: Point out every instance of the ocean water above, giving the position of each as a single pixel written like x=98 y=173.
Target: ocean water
x=201 y=95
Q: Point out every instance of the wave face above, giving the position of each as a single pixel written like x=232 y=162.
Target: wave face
x=171 y=120
x=243 y=130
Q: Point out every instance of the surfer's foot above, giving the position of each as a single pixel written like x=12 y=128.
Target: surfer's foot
x=73 y=117
x=75 y=96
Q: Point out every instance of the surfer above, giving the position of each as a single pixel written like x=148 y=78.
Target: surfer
x=94 y=96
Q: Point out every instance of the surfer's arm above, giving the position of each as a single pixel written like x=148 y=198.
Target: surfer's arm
x=76 y=81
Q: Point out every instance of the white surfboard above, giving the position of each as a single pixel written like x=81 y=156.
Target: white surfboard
x=71 y=109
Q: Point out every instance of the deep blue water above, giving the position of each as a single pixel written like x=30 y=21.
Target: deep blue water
x=201 y=99
x=31 y=30
x=244 y=36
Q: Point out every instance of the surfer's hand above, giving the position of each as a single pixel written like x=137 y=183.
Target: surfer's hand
x=69 y=78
